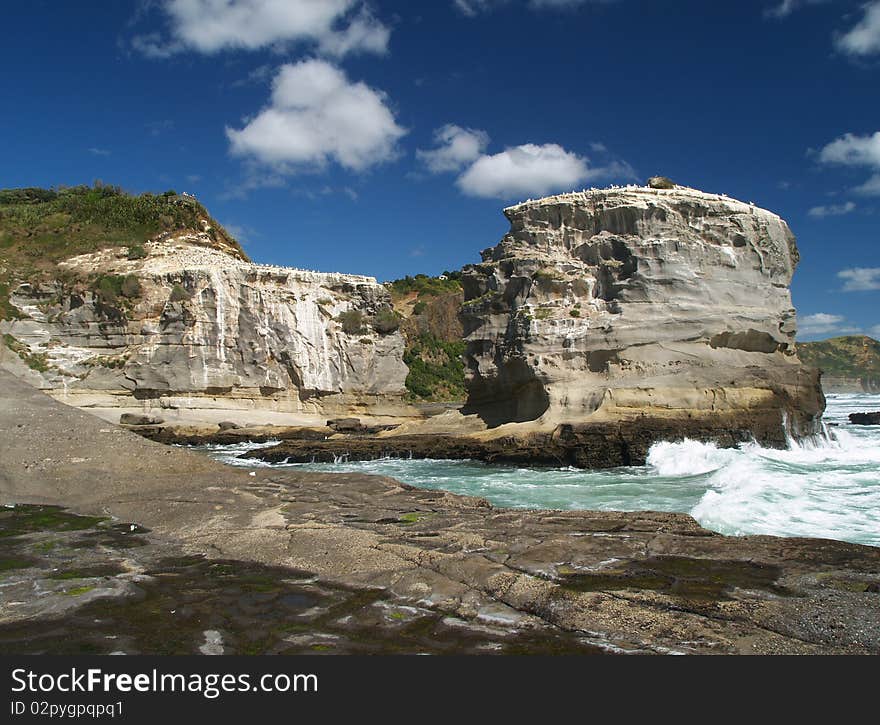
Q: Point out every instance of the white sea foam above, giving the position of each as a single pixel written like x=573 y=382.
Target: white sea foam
x=687 y=458
x=826 y=487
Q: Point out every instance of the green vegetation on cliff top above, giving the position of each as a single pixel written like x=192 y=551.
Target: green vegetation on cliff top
x=855 y=356
x=424 y=286
x=41 y=227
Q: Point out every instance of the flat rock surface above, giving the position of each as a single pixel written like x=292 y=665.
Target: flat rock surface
x=641 y=582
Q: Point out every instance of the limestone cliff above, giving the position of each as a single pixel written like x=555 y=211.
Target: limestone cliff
x=190 y=329
x=639 y=303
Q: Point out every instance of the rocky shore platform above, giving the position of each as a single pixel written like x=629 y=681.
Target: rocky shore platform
x=162 y=549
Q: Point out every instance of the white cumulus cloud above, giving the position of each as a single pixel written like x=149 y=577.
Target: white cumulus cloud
x=832 y=210
x=857 y=151
x=852 y=150
x=526 y=170
x=871 y=187
x=562 y=4
x=786 y=7
x=860 y=279
x=863 y=39
x=819 y=324
x=475 y=7
x=317 y=115
x=518 y=171
x=456 y=147
x=334 y=27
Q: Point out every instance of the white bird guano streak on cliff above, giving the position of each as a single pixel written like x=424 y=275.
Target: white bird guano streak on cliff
x=259 y=302
x=196 y=341
x=313 y=343
x=218 y=284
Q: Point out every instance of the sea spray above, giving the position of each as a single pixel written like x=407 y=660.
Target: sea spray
x=687 y=458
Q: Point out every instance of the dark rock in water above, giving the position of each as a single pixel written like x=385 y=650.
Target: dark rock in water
x=661 y=182
x=137 y=419
x=597 y=445
x=865 y=418
x=228 y=425
x=200 y=436
x=346 y=425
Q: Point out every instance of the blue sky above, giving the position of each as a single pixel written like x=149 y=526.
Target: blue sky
x=385 y=137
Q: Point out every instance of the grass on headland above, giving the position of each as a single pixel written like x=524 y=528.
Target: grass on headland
x=854 y=356
x=41 y=227
x=425 y=286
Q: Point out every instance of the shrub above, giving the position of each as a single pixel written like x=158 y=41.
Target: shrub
x=547 y=275
x=8 y=311
x=419 y=307
x=108 y=287
x=490 y=296
x=179 y=294
x=131 y=287
x=386 y=321
x=30 y=195
x=137 y=251
x=352 y=322
x=38 y=361
x=436 y=370
x=425 y=286
x=575 y=313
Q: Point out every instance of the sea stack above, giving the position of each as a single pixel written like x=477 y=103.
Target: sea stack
x=640 y=305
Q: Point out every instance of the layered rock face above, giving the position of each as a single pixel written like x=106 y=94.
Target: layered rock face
x=196 y=329
x=638 y=303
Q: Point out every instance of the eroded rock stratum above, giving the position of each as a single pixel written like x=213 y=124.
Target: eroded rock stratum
x=195 y=329
x=639 y=304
